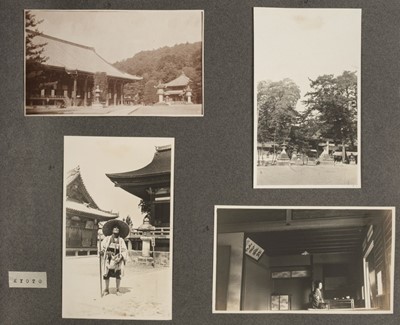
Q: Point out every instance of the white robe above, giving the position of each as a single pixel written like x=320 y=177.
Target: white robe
x=123 y=251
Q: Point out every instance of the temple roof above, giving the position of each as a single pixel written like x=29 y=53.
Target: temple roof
x=82 y=208
x=181 y=81
x=80 y=201
x=156 y=174
x=76 y=189
x=75 y=57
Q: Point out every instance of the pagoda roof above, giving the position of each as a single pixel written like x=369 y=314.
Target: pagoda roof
x=79 y=200
x=156 y=174
x=181 y=81
x=76 y=57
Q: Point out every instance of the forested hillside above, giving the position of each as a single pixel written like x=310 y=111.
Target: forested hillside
x=164 y=64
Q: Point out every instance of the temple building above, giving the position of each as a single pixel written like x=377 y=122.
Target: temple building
x=152 y=184
x=271 y=259
x=176 y=91
x=70 y=75
x=82 y=216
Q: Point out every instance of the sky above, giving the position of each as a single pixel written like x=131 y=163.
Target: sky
x=97 y=156
x=118 y=35
x=305 y=43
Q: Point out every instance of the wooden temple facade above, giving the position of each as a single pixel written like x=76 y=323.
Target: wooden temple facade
x=82 y=216
x=69 y=75
x=152 y=184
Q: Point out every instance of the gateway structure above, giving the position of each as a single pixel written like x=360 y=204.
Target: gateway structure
x=176 y=91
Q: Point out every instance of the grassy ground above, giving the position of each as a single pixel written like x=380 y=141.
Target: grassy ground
x=146 y=292
x=321 y=175
x=138 y=110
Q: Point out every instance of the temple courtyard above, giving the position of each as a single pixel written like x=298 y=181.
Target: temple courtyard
x=121 y=110
x=321 y=175
x=146 y=292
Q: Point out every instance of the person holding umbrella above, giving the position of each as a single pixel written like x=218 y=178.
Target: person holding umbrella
x=114 y=251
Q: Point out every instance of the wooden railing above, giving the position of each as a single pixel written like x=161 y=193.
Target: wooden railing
x=161 y=232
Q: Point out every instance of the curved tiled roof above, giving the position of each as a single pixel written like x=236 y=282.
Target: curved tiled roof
x=181 y=81
x=161 y=164
x=76 y=57
x=75 y=174
x=87 y=210
x=83 y=202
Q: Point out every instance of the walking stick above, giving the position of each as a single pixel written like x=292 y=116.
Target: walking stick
x=99 y=250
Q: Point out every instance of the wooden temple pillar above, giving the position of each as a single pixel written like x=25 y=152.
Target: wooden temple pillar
x=122 y=93
x=115 y=92
x=85 y=91
x=74 y=90
x=152 y=195
x=107 y=94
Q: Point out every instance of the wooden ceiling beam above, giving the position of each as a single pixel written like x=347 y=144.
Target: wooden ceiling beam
x=306 y=224
x=291 y=243
x=309 y=236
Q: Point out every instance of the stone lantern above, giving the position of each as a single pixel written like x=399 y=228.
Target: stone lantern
x=160 y=91
x=146 y=228
x=97 y=103
x=283 y=158
x=189 y=94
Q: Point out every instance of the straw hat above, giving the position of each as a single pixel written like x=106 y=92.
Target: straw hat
x=121 y=225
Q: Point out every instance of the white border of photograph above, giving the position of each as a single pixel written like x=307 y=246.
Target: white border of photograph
x=255 y=121
x=309 y=312
x=171 y=241
x=127 y=114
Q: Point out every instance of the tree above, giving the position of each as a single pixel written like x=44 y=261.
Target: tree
x=276 y=103
x=164 y=64
x=34 y=57
x=332 y=104
x=150 y=92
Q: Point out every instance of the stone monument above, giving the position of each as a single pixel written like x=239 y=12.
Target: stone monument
x=97 y=103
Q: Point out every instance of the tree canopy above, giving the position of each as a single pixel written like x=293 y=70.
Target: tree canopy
x=34 y=57
x=276 y=103
x=164 y=64
x=332 y=104
x=330 y=112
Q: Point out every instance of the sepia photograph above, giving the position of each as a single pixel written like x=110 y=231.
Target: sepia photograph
x=117 y=228
x=114 y=63
x=307 y=66
x=310 y=260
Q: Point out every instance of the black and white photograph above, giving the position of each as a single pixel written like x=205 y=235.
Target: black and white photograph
x=315 y=260
x=117 y=228
x=307 y=66
x=114 y=62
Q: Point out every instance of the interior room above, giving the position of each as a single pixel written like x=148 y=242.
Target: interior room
x=273 y=259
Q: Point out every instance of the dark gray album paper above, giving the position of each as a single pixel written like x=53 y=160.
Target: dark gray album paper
x=214 y=165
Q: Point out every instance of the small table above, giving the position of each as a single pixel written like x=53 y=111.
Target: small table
x=341 y=304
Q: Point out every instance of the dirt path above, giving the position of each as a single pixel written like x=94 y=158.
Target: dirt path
x=146 y=292
x=307 y=175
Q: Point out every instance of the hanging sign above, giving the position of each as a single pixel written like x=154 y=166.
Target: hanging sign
x=253 y=250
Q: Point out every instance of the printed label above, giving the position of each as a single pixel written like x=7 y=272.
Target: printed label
x=27 y=279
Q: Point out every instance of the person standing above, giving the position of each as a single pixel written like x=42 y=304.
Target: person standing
x=114 y=251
